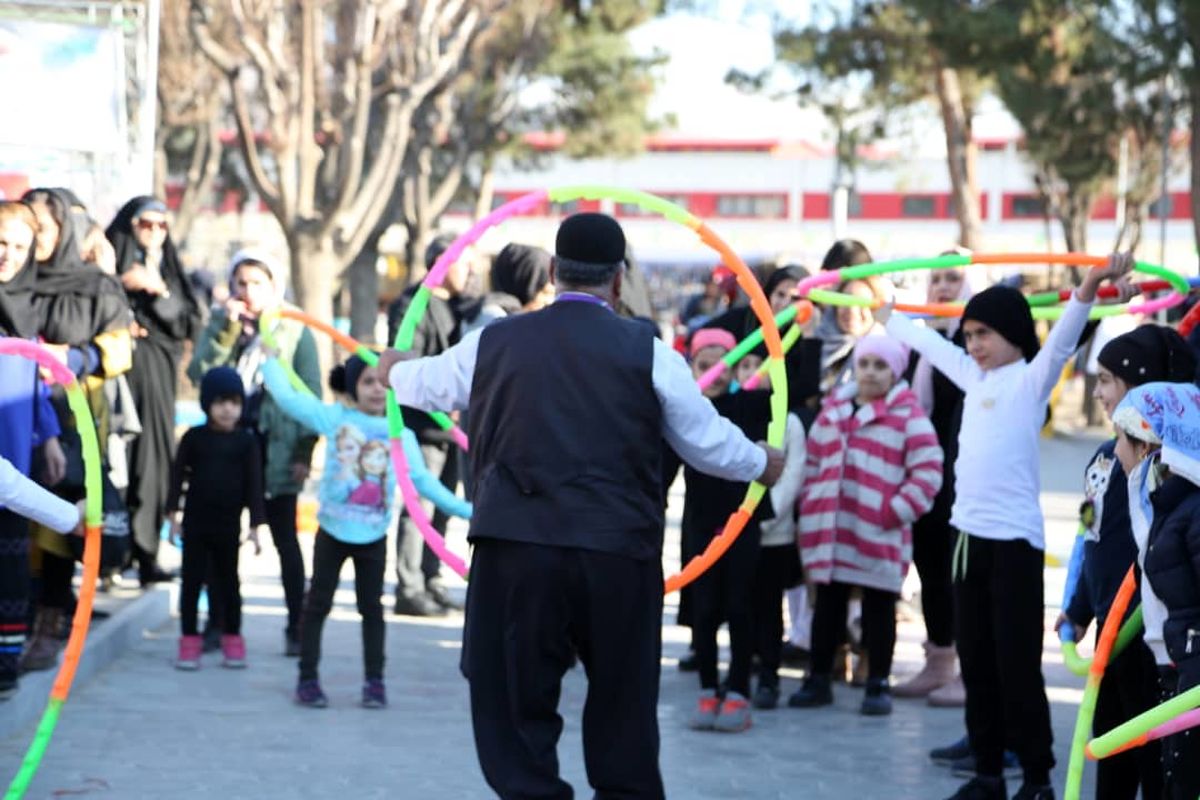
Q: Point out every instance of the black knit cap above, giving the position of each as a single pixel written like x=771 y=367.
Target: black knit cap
x=220 y=382
x=590 y=238
x=354 y=370
x=1006 y=311
x=1147 y=354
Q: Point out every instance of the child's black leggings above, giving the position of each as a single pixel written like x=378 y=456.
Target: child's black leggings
x=998 y=612
x=328 y=556
x=778 y=567
x=725 y=592
x=878 y=627
x=211 y=557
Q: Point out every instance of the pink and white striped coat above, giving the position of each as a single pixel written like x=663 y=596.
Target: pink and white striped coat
x=869 y=475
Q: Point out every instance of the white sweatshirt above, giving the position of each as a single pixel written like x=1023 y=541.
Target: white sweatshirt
x=997 y=474
x=782 y=529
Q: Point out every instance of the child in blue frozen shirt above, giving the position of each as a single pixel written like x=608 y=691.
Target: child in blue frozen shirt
x=353 y=524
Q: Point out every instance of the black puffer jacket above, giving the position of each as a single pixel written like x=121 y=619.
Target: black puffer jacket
x=1173 y=568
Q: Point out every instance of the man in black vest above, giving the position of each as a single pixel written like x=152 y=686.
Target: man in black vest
x=568 y=410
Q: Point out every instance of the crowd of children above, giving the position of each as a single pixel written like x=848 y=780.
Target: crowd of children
x=867 y=469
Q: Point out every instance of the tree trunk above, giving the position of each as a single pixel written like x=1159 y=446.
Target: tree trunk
x=314 y=265
x=960 y=158
x=487 y=188
x=363 y=283
x=1194 y=92
x=201 y=174
x=419 y=234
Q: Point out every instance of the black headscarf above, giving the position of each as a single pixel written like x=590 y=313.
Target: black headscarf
x=17 y=314
x=74 y=300
x=521 y=271
x=129 y=252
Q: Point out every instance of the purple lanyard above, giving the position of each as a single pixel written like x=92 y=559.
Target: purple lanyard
x=581 y=297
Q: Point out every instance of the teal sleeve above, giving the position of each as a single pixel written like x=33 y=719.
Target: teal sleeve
x=302 y=407
x=427 y=485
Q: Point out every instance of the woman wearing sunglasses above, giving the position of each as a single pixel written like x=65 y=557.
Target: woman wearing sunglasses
x=166 y=314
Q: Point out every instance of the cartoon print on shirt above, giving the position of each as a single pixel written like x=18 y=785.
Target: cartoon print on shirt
x=1096 y=480
x=373 y=473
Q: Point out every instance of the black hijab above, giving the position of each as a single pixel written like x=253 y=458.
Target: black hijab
x=129 y=252
x=521 y=271
x=17 y=314
x=73 y=299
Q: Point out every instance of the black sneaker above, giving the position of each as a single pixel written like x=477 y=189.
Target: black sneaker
x=8 y=687
x=419 y=606
x=817 y=690
x=1030 y=792
x=980 y=788
x=965 y=767
x=946 y=756
x=877 y=700
x=766 y=697
x=438 y=594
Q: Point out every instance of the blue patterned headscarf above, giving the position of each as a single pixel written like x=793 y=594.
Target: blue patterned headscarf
x=1166 y=414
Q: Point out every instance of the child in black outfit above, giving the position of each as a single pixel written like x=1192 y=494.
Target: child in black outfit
x=726 y=590
x=221 y=465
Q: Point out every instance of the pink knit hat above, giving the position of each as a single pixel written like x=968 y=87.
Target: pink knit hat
x=711 y=337
x=894 y=353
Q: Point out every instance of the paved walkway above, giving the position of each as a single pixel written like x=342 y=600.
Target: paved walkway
x=143 y=730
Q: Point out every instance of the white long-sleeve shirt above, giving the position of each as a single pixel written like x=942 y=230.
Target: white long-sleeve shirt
x=997 y=474
x=691 y=426
x=22 y=496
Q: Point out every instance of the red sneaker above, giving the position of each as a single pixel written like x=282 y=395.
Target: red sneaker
x=190 y=648
x=233 y=647
x=734 y=715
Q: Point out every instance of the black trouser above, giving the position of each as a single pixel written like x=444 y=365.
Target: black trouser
x=933 y=549
x=528 y=608
x=57 y=574
x=416 y=564
x=1180 y=752
x=328 y=556
x=998 y=612
x=210 y=556
x=1130 y=686
x=725 y=593
x=778 y=566
x=14 y=591
x=281 y=517
x=878 y=627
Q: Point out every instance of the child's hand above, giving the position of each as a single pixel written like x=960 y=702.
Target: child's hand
x=1076 y=631
x=1116 y=270
x=254 y=538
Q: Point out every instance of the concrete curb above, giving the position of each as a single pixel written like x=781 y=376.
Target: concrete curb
x=107 y=641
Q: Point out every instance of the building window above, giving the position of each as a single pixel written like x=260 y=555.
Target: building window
x=916 y=206
x=1028 y=205
x=758 y=206
x=1164 y=206
x=564 y=209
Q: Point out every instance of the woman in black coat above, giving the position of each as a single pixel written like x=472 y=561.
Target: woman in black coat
x=166 y=315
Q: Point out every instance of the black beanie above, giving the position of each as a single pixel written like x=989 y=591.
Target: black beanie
x=354 y=367
x=1148 y=354
x=220 y=382
x=590 y=238
x=1006 y=311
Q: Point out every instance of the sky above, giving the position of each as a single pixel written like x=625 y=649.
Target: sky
x=702 y=48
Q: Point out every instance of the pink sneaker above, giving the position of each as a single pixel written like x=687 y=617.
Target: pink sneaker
x=190 y=648
x=233 y=647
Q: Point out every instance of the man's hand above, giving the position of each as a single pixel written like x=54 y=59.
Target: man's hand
x=775 y=460
x=1116 y=270
x=390 y=358
x=55 y=462
x=81 y=529
x=255 y=537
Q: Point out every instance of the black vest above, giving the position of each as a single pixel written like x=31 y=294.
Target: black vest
x=566 y=432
